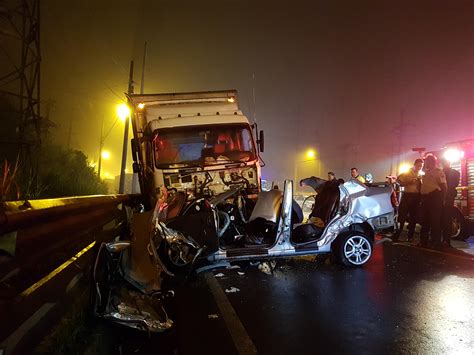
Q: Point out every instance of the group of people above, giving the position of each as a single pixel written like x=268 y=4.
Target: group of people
x=354 y=175
x=428 y=198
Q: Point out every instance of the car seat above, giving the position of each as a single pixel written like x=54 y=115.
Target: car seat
x=224 y=144
x=325 y=208
x=264 y=219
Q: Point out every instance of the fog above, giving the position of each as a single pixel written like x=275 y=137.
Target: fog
x=360 y=82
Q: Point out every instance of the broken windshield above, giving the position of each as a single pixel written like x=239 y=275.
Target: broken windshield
x=203 y=145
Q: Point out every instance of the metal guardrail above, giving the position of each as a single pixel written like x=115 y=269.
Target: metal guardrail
x=17 y=214
x=46 y=248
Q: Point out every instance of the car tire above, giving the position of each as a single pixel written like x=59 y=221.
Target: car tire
x=168 y=257
x=353 y=249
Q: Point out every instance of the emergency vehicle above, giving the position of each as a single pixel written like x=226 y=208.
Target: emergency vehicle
x=461 y=156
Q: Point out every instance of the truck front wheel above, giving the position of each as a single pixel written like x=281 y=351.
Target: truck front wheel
x=458 y=225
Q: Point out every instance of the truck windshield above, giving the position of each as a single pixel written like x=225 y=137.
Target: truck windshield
x=203 y=145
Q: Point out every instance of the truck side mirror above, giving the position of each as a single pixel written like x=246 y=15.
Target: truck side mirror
x=261 y=141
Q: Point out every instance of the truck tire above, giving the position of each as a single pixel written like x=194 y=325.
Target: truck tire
x=459 y=225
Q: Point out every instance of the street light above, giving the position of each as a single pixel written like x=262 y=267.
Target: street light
x=123 y=112
x=105 y=155
x=310 y=155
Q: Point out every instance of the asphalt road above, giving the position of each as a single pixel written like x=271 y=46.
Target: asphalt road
x=406 y=300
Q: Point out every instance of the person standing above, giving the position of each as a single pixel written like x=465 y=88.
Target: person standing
x=433 y=189
x=355 y=175
x=410 y=201
x=452 y=180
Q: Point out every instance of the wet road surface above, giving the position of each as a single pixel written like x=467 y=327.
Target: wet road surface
x=406 y=300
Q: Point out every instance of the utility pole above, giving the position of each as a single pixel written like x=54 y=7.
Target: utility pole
x=400 y=131
x=142 y=91
x=142 y=82
x=400 y=136
x=20 y=73
x=125 y=136
x=101 y=146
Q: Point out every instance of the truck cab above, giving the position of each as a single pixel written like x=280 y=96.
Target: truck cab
x=198 y=143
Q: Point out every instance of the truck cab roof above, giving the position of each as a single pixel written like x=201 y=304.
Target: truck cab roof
x=179 y=105
x=201 y=120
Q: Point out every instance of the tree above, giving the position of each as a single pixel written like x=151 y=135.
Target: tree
x=65 y=172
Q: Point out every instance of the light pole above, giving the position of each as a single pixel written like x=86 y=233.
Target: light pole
x=123 y=113
x=101 y=146
x=125 y=134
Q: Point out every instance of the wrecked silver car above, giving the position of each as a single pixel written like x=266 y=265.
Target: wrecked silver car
x=127 y=279
x=231 y=226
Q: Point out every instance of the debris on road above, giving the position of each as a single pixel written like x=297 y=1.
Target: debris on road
x=212 y=316
x=232 y=290
x=241 y=273
x=267 y=267
x=219 y=275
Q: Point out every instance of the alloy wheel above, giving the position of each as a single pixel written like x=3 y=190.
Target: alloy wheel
x=357 y=250
x=179 y=255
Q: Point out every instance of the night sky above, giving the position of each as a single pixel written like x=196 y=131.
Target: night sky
x=338 y=76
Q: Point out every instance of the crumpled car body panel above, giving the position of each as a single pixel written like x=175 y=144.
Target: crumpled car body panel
x=358 y=204
x=136 y=310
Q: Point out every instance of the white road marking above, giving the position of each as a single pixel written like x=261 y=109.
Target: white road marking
x=241 y=339
x=73 y=282
x=467 y=257
x=10 y=274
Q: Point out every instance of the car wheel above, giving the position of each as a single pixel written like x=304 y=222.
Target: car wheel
x=353 y=249
x=176 y=258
